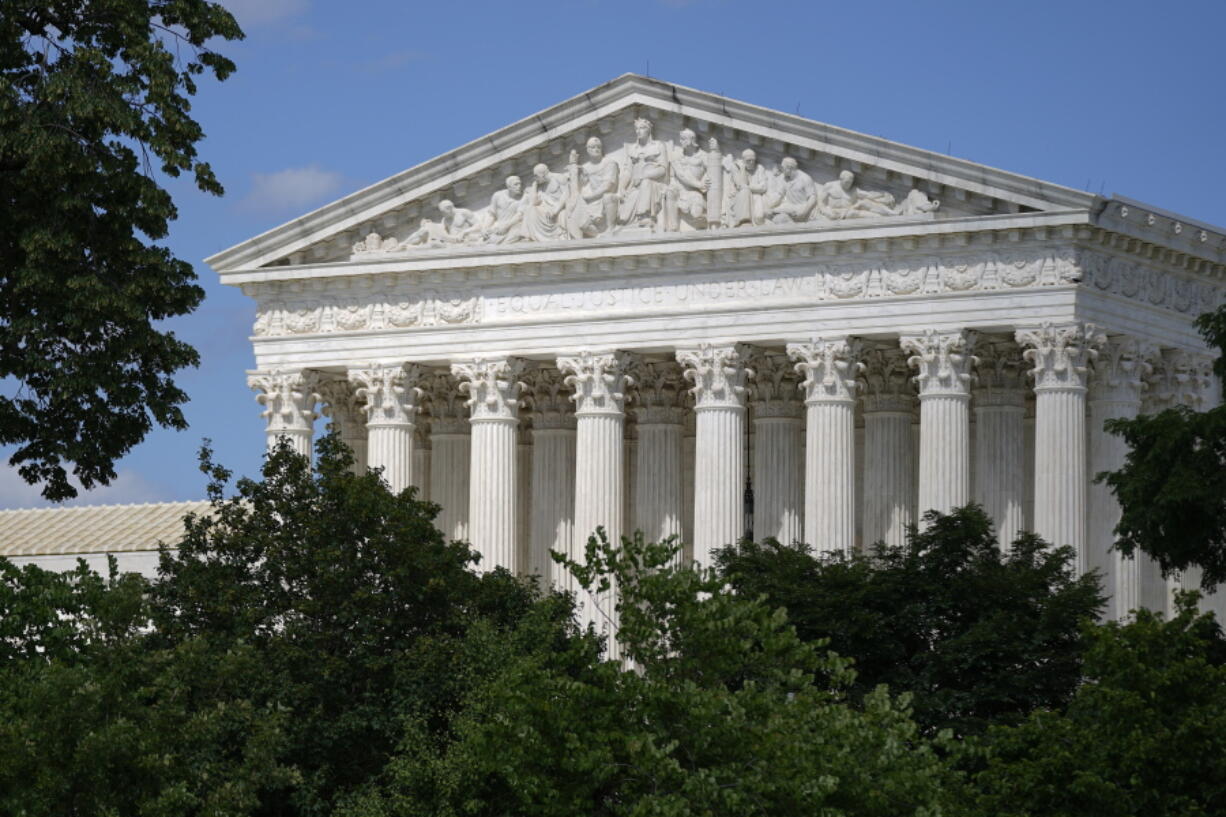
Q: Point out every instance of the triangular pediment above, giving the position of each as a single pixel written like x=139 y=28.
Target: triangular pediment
x=690 y=173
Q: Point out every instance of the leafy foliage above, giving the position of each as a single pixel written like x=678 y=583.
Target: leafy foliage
x=723 y=711
x=1145 y=735
x=975 y=636
x=1172 y=487
x=92 y=94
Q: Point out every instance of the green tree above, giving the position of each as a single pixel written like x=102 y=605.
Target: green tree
x=1172 y=487
x=722 y=710
x=93 y=95
x=1144 y=735
x=976 y=636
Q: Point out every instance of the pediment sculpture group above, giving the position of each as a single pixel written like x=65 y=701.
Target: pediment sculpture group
x=654 y=186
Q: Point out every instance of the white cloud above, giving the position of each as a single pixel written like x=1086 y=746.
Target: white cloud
x=262 y=12
x=128 y=487
x=295 y=188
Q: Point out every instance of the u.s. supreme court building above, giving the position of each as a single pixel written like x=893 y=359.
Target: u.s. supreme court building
x=653 y=308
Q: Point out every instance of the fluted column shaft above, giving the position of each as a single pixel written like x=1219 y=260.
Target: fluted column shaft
x=288 y=398
x=658 y=492
x=999 y=464
x=450 y=456
x=718 y=374
x=421 y=464
x=830 y=367
x=493 y=390
x=390 y=396
x=523 y=500
x=1060 y=356
x=778 y=476
x=889 y=469
x=552 y=501
x=944 y=362
x=599 y=382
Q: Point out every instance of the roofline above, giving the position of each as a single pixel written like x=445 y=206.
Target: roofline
x=722 y=110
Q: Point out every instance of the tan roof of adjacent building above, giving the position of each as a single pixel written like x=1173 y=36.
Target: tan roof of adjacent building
x=94 y=528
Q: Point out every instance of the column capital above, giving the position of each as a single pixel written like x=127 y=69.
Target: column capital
x=943 y=360
x=546 y=394
x=599 y=380
x=448 y=413
x=1120 y=370
x=1180 y=377
x=288 y=397
x=774 y=387
x=831 y=368
x=1060 y=354
x=718 y=373
x=660 y=393
x=492 y=386
x=1001 y=374
x=390 y=394
x=341 y=403
x=886 y=380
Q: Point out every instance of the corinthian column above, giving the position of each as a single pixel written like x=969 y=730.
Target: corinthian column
x=1000 y=438
x=830 y=367
x=288 y=398
x=552 y=497
x=944 y=363
x=348 y=417
x=421 y=458
x=778 y=452
x=390 y=395
x=450 y=453
x=1116 y=384
x=718 y=374
x=657 y=485
x=493 y=388
x=889 y=452
x=599 y=382
x=1060 y=356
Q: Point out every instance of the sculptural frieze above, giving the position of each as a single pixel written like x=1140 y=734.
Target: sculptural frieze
x=647 y=185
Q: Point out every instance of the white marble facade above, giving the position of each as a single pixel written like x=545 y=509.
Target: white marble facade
x=630 y=308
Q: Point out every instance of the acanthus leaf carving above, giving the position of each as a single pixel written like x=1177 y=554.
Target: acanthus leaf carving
x=1060 y=355
x=943 y=361
x=830 y=368
x=288 y=397
x=492 y=385
x=1121 y=369
x=774 y=387
x=390 y=394
x=718 y=374
x=886 y=380
x=599 y=380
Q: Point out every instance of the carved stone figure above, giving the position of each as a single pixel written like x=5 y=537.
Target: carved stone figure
x=544 y=203
x=646 y=179
x=455 y=227
x=797 y=195
x=748 y=184
x=686 y=197
x=916 y=203
x=506 y=214
x=597 y=179
x=841 y=199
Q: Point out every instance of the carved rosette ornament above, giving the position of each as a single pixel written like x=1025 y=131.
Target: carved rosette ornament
x=774 y=388
x=830 y=367
x=943 y=360
x=660 y=394
x=599 y=381
x=492 y=386
x=886 y=381
x=1060 y=356
x=288 y=398
x=718 y=374
x=390 y=393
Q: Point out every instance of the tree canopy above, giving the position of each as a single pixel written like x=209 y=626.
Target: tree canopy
x=1172 y=486
x=976 y=636
x=94 y=102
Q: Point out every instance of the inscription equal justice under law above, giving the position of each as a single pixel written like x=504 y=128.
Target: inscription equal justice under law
x=649 y=186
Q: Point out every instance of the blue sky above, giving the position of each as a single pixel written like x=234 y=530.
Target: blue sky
x=1116 y=96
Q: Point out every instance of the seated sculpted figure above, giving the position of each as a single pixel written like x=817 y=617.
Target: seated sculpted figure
x=841 y=199
x=686 y=197
x=596 y=209
x=506 y=214
x=544 y=205
x=644 y=183
x=748 y=184
x=455 y=227
x=796 y=197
